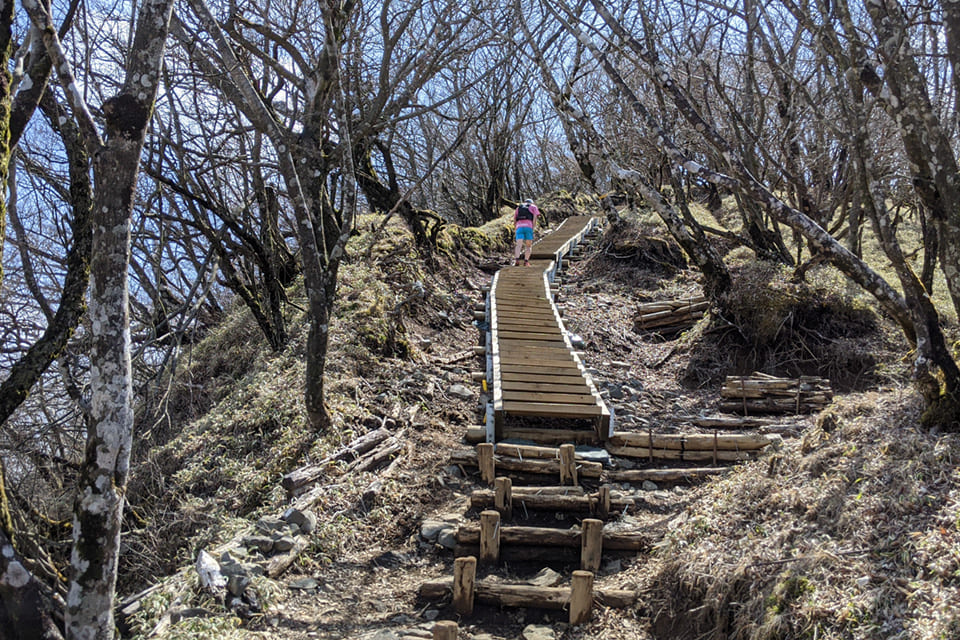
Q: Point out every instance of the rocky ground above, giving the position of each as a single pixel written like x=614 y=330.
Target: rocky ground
x=370 y=589
x=720 y=552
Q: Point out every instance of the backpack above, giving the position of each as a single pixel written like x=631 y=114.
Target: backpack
x=524 y=213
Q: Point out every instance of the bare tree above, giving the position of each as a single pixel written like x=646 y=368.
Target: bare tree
x=935 y=370
x=306 y=160
x=115 y=165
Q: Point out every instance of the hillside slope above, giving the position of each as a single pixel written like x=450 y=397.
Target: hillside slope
x=850 y=530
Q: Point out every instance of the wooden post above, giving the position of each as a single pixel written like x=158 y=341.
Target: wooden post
x=591 y=544
x=503 y=497
x=485 y=462
x=603 y=501
x=445 y=630
x=568 y=465
x=489 y=537
x=464 y=576
x=581 y=596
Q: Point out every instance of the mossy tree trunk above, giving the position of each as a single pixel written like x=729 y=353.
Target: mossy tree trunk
x=30 y=367
x=27 y=609
x=386 y=198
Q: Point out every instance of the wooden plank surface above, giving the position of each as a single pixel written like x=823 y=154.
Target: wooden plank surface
x=535 y=371
x=547 y=396
x=552 y=410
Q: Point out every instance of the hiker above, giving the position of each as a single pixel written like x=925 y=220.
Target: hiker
x=524 y=219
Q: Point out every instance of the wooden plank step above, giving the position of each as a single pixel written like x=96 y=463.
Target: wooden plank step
x=532 y=387
x=544 y=361
x=534 y=368
x=554 y=398
x=510 y=379
x=534 y=346
x=550 y=410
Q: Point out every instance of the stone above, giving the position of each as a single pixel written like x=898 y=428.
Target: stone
x=304 y=584
x=430 y=614
x=448 y=538
x=269 y=525
x=306 y=521
x=649 y=485
x=283 y=544
x=383 y=634
x=453 y=471
x=538 y=632
x=237 y=584
x=615 y=391
x=460 y=391
x=430 y=529
x=612 y=567
x=390 y=559
x=230 y=567
x=593 y=454
x=546 y=577
x=262 y=543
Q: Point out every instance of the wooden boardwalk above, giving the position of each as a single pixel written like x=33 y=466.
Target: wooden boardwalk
x=532 y=365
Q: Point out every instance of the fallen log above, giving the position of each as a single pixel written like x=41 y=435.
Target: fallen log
x=770 y=405
x=370 y=461
x=669 y=316
x=733 y=422
x=485 y=499
x=280 y=563
x=682 y=456
x=312 y=472
x=468 y=457
x=523 y=595
x=761 y=393
x=664 y=475
x=547 y=536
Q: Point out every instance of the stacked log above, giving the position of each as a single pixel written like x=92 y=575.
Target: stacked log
x=690 y=447
x=762 y=393
x=669 y=316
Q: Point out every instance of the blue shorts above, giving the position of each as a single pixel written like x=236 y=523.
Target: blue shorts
x=524 y=233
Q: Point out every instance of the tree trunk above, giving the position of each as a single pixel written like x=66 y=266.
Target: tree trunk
x=103 y=473
x=28 y=369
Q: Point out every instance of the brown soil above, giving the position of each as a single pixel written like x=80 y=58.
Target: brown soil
x=721 y=552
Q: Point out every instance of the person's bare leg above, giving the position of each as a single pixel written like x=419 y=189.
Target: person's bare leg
x=516 y=251
x=528 y=246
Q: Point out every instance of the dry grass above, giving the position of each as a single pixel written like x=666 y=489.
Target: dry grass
x=855 y=535
x=852 y=532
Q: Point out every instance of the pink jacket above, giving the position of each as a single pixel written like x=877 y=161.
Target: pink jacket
x=526 y=223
